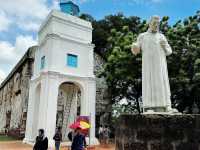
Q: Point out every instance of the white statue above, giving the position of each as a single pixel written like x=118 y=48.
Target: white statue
x=155 y=83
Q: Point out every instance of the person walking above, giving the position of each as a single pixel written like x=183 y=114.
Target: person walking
x=101 y=133
x=58 y=138
x=79 y=142
x=106 y=135
x=71 y=135
x=41 y=142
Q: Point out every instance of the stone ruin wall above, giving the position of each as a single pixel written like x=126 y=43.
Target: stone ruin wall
x=69 y=99
x=158 y=132
x=103 y=99
x=14 y=97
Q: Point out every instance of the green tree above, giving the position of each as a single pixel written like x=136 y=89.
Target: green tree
x=122 y=70
x=184 y=37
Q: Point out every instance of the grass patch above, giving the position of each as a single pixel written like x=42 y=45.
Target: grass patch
x=4 y=138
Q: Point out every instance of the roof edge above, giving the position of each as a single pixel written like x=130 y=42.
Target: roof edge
x=25 y=57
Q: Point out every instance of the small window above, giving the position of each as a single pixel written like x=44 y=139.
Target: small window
x=72 y=60
x=42 y=62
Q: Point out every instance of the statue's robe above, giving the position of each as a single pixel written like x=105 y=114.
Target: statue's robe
x=155 y=82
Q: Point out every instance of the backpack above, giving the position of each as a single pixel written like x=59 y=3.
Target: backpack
x=70 y=136
x=57 y=137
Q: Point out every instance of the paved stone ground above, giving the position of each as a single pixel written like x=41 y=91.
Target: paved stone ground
x=18 y=145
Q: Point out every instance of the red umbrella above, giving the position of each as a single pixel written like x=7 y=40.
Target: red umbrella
x=80 y=124
x=75 y=125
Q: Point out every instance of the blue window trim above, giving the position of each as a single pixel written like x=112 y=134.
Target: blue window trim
x=72 y=60
x=43 y=62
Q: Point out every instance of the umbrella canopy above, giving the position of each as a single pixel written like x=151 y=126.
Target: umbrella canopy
x=80 y=124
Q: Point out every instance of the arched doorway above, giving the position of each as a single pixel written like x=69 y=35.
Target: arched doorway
x=68 y=106
x=36 y=111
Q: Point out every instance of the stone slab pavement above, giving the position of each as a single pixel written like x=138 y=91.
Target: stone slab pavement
x=18 y=145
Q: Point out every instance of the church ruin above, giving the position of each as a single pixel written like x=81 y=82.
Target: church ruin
x=55 y=81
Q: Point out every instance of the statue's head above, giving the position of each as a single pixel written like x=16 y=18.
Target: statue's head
x=154 y=24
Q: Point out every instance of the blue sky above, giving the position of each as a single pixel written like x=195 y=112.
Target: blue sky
x=175 y=9
x=20 y=19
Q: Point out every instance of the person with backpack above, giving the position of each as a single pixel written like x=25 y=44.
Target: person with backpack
x=57 y=138
x=71 y=135
x=41 y=142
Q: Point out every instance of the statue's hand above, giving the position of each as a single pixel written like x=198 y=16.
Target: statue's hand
x=163 y=43
x=135 y=49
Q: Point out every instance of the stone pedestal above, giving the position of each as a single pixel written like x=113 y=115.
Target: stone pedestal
x=158 y=132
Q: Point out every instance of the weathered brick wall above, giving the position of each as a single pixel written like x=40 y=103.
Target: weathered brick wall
x=103 y=100
x=14 y=93
x=158 y=132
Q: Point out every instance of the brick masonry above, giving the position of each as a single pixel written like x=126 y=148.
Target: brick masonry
x=14 y=96
x=158 y=132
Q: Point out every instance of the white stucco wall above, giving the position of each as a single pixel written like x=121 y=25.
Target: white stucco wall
x=64 y=34
x=67 y=26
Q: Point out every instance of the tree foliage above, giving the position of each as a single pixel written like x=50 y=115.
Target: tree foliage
x=183 y=64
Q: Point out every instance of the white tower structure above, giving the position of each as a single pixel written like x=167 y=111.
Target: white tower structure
x=64 y=55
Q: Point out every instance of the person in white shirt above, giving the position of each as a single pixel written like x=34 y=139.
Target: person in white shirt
x=101 y=129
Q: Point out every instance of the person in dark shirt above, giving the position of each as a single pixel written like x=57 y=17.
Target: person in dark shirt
x=79 y=142
x=41 y=142
x=58 y=138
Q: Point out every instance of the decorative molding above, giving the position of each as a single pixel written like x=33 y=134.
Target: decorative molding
x=65 y=18
x=59 y=75
x=59 y=37
x=74 y=77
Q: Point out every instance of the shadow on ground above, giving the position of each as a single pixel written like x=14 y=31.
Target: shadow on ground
x=18 y=145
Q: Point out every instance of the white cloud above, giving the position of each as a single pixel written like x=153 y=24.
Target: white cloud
x=55 y=5
x=11 y=54
x=29 y=26
x=25 y=8
x=22 y=44
x=4 y=21
x=26 y=14
x=7 y=52
x=2 y=76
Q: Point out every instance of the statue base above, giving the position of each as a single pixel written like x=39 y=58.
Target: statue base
x=161 y=110
x=158 y=132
